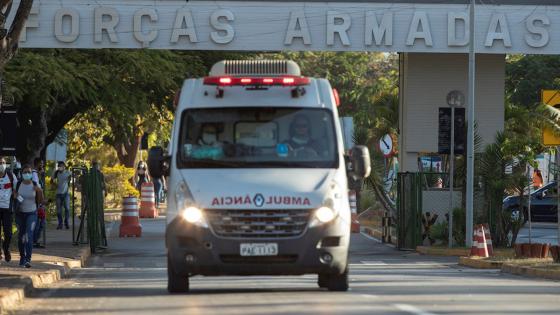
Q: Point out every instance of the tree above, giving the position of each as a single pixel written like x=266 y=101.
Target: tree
x=527 y=75
x=49 y=88
x=139 y=97
x=9 y=36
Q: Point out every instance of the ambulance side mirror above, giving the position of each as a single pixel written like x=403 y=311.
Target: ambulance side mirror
x=361 y=161
x=158 y=162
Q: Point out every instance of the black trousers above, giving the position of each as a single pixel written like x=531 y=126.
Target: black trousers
x=6 y=225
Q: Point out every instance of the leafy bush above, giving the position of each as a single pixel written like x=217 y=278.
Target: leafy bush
x=439 y=232
x=367 y=200
x=117 y=182
x=459 y=226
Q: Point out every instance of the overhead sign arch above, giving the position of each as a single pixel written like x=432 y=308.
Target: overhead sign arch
x=277 y=26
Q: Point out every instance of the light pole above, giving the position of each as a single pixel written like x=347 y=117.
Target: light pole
x=470 y=132
x=454 y=99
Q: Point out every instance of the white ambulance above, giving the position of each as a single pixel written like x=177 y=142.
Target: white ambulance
x=257 y=177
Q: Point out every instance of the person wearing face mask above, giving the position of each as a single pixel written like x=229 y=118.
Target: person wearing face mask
x=61 y=178
x=141 y=175
x=209 y=136
x=8 y=181
x=29 y=194
x=301 y=142
x=209 y=147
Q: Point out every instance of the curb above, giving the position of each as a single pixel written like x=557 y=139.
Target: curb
x=22 y=285
x=427 y=250
x=531 y=272
x=480 y=263
x=371 y=232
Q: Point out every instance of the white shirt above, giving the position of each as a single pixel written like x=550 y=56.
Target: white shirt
x=6 y=190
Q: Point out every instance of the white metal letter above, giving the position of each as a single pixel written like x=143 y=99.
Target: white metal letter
x=108 y=25
x=452 y=19
x=32 y=21
x=341 y=28
x=419 y=20
x=74 y=17
x=222 y=26
x=498 y=21
x=184 y=17
x=145 y=39
x=379 y=31
x=297 y=19
x=542 y=37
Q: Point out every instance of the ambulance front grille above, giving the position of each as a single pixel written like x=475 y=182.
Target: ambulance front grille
x=263 y=223
x=256 y=67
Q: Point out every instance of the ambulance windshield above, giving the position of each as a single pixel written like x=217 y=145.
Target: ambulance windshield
x=254 y=137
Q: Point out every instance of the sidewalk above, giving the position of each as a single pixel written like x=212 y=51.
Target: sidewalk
x=49 y=265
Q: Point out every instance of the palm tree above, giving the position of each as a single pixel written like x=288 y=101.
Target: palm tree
x=383 y=119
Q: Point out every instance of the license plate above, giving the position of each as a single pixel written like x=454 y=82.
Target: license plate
x=259 y=249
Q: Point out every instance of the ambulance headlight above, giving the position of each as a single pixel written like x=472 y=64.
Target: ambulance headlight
x=323 y=215
x=195 y=216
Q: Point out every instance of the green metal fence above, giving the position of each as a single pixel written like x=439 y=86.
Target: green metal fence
x=92 y=223
x=409 y=210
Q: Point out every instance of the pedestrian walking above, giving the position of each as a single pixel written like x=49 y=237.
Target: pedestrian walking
x=39 y=178
x=61 y=178
x=159 y=185
x=141 y=175
x=28 y=194
x=7 y=184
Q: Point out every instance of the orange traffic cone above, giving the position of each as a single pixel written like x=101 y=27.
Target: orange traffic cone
x=488 y=237
x=479 y=243
x=148 y=201
x=130 y=225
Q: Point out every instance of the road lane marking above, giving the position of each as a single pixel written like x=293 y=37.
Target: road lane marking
x=373 y=263
x=411 y=309
x=370 y=237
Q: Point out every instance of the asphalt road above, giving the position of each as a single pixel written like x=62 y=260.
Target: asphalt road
x=130 y=278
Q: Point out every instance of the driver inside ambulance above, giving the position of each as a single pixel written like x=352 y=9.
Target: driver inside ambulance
x=301 y=142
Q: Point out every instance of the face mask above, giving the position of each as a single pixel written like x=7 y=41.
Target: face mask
x=209 y=138
x=26 y=176
x=60 y=168
x=2 y=168
x=300 y=140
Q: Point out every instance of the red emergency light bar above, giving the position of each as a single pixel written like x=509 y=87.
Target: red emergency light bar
x=256 y=81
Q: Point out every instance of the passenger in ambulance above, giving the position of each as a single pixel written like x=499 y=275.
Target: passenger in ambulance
x=301 y=143
x=209 y=136
x=209 y=147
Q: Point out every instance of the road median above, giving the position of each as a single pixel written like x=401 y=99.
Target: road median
x=537 y=268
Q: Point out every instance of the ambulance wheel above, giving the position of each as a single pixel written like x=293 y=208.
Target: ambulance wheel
x=175 y=282
x=323 y=280
x=338 y=282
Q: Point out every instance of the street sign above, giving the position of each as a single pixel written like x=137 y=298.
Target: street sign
x=551 y=98
x=444 y=130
